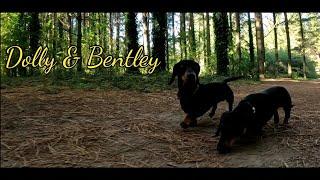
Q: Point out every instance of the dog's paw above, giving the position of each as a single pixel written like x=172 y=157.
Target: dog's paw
x=216 y=135
x=184 y=125
x=193 y=124
x=275 y=129
x=285 y=123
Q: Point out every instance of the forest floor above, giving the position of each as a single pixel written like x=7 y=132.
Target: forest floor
x=122 y=128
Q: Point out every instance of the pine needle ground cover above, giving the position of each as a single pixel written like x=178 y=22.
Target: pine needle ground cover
x=90 y=127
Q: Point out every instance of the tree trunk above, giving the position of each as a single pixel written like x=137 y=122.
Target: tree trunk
x=105 y=33
x=221 y=42
x=183 y=43
x=100 y=30
x=192 y=38
x=260 y=45
x=159 y=38
x=93 y=28
x=173 y=38
x=70 y=28
x=204 y=37
x=303 y=48
x=60 y=30
x=146 y=40
x=231 y=45
x=54 y=39
x=118 y=35
x=208 y=38
x=288 y=45
x=79 y=38
x=238 y=40
x=131 y=38
x=110 y=33
x=251 y=48
x=276 y=53
x=167 y=43
x=35 y=30
x=22 y=41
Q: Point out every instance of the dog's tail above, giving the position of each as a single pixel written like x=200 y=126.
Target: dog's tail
x=232 y=79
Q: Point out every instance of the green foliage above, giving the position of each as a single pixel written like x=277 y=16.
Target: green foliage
x=15 y=30
x=156 y=82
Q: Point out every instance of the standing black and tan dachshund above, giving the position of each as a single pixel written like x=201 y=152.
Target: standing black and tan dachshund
x=195 y=98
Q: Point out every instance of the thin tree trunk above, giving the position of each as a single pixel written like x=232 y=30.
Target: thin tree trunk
x=276 y=53
x=288 y=45
x=101 y=31
x=199 y=30
x=167 y=42
x=70 y=28
x=35 y=30
x=22 y=40
x=260 y=45
x=230 y=21
x=303 y=48
x=79 y=38
x=146 y=36
x=204 y=38
x=118 y=34
x=183 y=43
x=173 y=38
x=238 y=40
x=105 y=31
x=192 y=37
x=60 y=39
x=93 y=29
x=208 y=38
x=231 y=45
x=54 y=29
x=251 y=48
x=110 y=33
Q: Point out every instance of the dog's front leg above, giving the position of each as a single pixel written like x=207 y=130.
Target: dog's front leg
x=188 y=122
x=213 y=110
x=276 y=118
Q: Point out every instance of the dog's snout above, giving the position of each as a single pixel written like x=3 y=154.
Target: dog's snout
x=191 y=76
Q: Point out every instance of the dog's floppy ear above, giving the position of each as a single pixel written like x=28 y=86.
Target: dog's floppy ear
x=174 y=73
x=196 y=67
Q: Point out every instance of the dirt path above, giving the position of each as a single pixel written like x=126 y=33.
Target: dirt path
x=82 y=128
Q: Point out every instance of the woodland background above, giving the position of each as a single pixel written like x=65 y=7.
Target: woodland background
x=125 y=117
x=256 y=45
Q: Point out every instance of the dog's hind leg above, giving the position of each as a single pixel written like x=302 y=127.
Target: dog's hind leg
x=276 y=118
x=230 y=103
x=213 y=110
x=287 y=111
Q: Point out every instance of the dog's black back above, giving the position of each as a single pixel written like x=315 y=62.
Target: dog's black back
x=206 y=96
x=279 y=95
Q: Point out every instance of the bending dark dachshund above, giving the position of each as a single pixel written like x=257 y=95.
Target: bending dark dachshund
x=251 y=114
